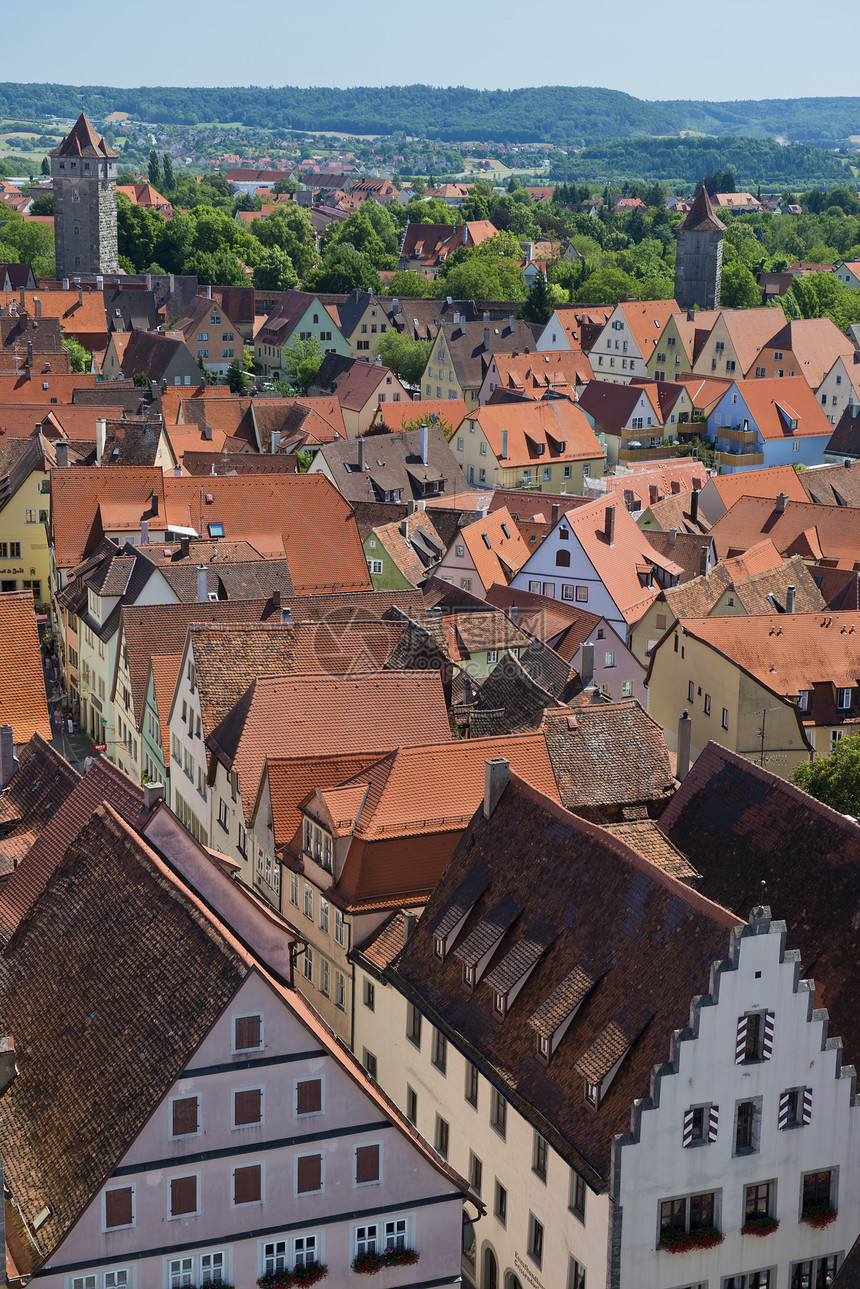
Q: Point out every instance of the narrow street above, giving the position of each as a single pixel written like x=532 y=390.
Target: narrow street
x=75 y=747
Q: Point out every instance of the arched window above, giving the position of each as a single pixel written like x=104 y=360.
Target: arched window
x=562 y=559
x=491 y=1271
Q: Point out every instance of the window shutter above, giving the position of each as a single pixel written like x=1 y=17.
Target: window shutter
x=309 y=1096
x=783 y=1109
x=367 y=1164
x=183 y=1195
x=247 y=1184
x=741 y=1041
x=248 y=1032
x=767 y=1044
x=713 y=1122
x=184 y=1116
x=807 y=1105
x=247 y=1106
x=118 y=1207
x=308 y=1173
x=688 y=1128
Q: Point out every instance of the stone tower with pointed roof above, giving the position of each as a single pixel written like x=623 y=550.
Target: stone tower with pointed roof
x=699 y=262
x=83 y=169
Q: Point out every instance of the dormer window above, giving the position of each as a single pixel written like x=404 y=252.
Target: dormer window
x=803 y=700
x=500 y=1003
x=592 y=1094
x=439 y=947
x=544 y=1047
x=469 y=975
x=843 y=699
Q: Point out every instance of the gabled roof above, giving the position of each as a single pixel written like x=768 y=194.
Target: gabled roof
x=830 y=533
x=612 y=405
x=833 y=485
x=392 y=463
x=35 y=793
x=471 y=345
x=748 y=330
x=354 y=382
x=758 y=580
x=83 y=141
x=425 y=411
x=538 y=433
x=816 y=344
x=495 y=546
x=613 y=754
x=431 y=244
x=23 y=703
x=153 y=353
x=647 y=321
x=769 y=482
x=511 y=700
x=536 y=374
x=775 y=403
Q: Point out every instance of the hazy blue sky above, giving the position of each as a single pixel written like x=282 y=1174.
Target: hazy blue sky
x=737 y=49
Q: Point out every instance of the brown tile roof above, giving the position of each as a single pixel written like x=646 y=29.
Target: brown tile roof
x=845 y=439
x=103 y=782
x=392 y=463
x=687 y=549
x=833 y=485
x=535 y=374
x=537 y=863
x=534 y=507
x=23 y=389
x=431 y=244
x=302 y=715
x=23 y=704
x=769 y=482
x=470 y=354
x=676 y=511
x=502 y=554
x=700 y=216
x=429 y=411
x=383 y=944
x=538 y=432
x=741 y=825
x=511 y=700
x=164 y=669
x=292 y=779
x=352 y=381
x=83 y=141
x=830 y=533
x=35 y=793
x=669 y=479
x=556 y=622
x=816 y=343
x=645 y=837
x=752 y=581
x=613 y=754
x=415 y=549
x=84 y=316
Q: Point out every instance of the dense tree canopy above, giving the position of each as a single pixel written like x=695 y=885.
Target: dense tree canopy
x=834 y=779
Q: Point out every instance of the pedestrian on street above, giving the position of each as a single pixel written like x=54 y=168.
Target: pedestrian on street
x=71 y=723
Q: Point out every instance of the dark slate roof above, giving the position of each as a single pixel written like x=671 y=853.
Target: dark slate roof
x=390 y=460
x=701 y=217
x=612 y=754
x=592 y=906
x=833 y=485
x=848 y=1276
x=845 y=439
x=152 y=352
x=83 y=141
x=470 y=353
x=18 y=459
x=741 y=826
x=89 y=1028
x=686 y=550
x=130 y=310
x=516 y=700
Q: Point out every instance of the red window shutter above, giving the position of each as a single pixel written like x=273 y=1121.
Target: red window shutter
x=184 y=1116
x=119 y=1207
x=367 y=1164
x=308 y=1173
x=807 y=1105
x=713 y=1122
x=767 y=1043
x=783 y=1109
x=309 y=1096
x=741 y=1041
x=247 y=1106
x=688 y=1128
x=183 y=1195
x=249 y=1030
x=247 y=1184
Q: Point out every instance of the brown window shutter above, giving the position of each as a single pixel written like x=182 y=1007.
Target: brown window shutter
x=248 y=1032
x=118 y=1207
x=309 y=1173
x=247 y=1184
x=183 y=1195
x=247 y=1106
x=309 y=1096
x=367 y=1164
x=184 y=1116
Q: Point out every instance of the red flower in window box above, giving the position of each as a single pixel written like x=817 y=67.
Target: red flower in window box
x=674 y=1240
x=761 y=1225
x=368 y=1264
x=309 y=1274
x=401 y=1257
x=818 y=1215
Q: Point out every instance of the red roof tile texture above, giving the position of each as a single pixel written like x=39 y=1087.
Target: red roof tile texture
x=23 y=703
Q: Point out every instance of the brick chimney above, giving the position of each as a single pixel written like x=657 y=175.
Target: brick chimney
x=694 y=506
x=61 y=451
x=586 y=664
x=781 y=503
x=609 y=525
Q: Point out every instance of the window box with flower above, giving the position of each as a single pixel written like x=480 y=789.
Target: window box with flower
x=760 y=1225
x=676 y=1240
x=370 y=1263
x=308 y=1274
x=818 y=1215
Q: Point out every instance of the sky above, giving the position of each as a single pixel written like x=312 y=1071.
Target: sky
x=737 y=49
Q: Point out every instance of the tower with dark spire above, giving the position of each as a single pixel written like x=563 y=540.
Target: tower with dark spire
x=83 y=170
x=699 y=261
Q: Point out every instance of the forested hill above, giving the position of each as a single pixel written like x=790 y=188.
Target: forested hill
x=562 y=114
x=823 y=122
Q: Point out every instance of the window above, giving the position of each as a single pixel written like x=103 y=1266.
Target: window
x=725 y=718
x=308 y=964
x=465 y=584
x=324 y=909
x=375 y=566
x=691 y=1213
x=339 y=991
x=752 y=1280
x=309 y=1174
x=368 y=1060
x=305 y=1250
x=183 y=1200
x=843 y=699
x=498 y=1112
x=562 y=559
x=707 y=704
x=540 y=1156
x=459 y=445
x=691 y=692
x=795 y=1108
x=120 y=1278
x=223 y=815
x=575 y=1274
x=609 y=658
x=582 y=595
x=247 y=1107
x=746 y=1127
x=443 y=1134
x=411 y=1105
x=757 y=1200
x=576 y=1201
x=535 y=1239
x=472 y=1084
x=365 y=1239
x=247 y=1033
x=307 y=1097
x=367 y=1162
x=247 y=1184
x=184 y=1117
x=817 y=1274
x=339 y=929
x=294 y=890
x=118 y=1208
x=439 y=1055
x=413 y=1025
x=754 y=1038
x=817 y=1189
x=325 y=977
x=500 y=1203
x=369 y=994
x=309 y=902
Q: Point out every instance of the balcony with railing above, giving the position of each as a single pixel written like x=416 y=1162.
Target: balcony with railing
x=738 y=459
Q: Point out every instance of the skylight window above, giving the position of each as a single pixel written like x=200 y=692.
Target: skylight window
x=216 y=530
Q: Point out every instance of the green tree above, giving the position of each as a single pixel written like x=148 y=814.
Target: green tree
x=539 y=302
x=739 y=289
x=169 y=179
x=140 y=380
x=46 y=166
x=406 y=357
x=344 y=269
x=834 y=779
x=237 y=378
x=607 y=285
x=81 y=359
x=415 y=423
x=289 y=229
x=275 y=271
x=288 y=186
x=409 y=284
x=302 y=361
x=43 y=205
x=154 y=169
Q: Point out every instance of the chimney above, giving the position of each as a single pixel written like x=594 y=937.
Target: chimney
x=23 y=299
x=609 y=526
x=29 y=353
x=37 y=305
x=410 y=921
x=100 y=282
x=361 y=454
x=80 y=295
x=410 y=506
x=209 y=293
x=275 y=444
x=781 y=502
x=497 y=775
x=486 y=338
x=101 y=435
x=554 y=513
x=504 y=452
x=276 y=597
x=685 y=737
x=8 y=1071
x=586 y=664
x=691 y=315
x=676 y=485
x=65 y=284
x=424 y=436
x=207 y=433
x=790 y=599
x=149 y=281
x=694 y=507
x=144 y=532
x=286 y=617
x=465 y=233
x=673 y=533
x=153 y=503
x=8 y=762
x=514 y=613
x=395 y=305
x=511 y=323
x=703 y=562
x=202 y=585
x=152 y=794
x=404 y=528
x=61 y=450
x=184 y=547
x=172 y=283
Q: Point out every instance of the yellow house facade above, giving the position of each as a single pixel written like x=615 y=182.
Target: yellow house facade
x=545 y=446
x=25 y=562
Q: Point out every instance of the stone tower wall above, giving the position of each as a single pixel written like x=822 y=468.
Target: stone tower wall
x=698 y=269
x=92 y=248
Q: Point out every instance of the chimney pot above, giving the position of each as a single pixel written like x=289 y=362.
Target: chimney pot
x=153 y=503
x=37 y=305
x=497 y=774
x=504 y=449
x=685 y=738
x=361 y=454
x=609 y=525
x=424 y=441
x=152 y=794
x=781 y=502
x=62 y=454
x=514 y=614
x=790 y=599
x=673 y=533
x=703 y=562
x=276 y=597
x=554 y=513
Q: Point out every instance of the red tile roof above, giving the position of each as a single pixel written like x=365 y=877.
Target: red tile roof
x=23 y=703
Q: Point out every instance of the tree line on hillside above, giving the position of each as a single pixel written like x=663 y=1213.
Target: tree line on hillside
x=824 y=122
